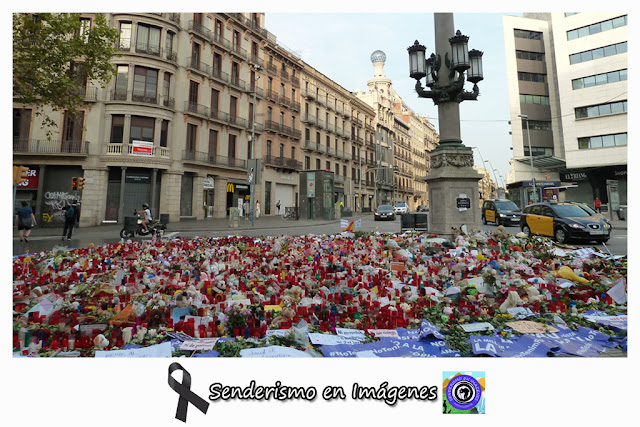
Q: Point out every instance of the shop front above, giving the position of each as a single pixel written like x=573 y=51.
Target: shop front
x=522 y=193
x=590 y=183
x=128 y=188
x=237 y=191
x=207 y=196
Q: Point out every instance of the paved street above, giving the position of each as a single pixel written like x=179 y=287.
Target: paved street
x=47 y=238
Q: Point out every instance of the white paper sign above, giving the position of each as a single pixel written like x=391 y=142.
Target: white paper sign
x=520 y=312
x=351 y=334
x=199 y=344
x=384 y=333
x=273 y=351
x=158 y=350
x=327 y=339
x=475 y=327
x=617 y=292
x=276 y=332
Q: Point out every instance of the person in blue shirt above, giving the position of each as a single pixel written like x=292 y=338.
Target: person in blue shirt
x=71 y=218
x=25 y=220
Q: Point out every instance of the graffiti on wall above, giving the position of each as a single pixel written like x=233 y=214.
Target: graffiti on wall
x=55 y=204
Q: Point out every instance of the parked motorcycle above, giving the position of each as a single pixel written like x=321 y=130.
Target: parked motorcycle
x=133 y=225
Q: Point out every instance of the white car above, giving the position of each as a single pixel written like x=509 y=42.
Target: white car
x=400 y=208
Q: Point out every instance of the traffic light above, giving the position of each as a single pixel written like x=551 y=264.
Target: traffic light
x=80 y=183
x=74 y=183
x=20 y=174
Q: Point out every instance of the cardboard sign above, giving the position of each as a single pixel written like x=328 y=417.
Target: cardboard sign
x=327 y=339
x=529 y=327
x=397 y=266
x=351 y=334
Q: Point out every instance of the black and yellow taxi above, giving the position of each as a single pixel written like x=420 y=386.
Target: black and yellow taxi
x=564 y=222
x=501 y=212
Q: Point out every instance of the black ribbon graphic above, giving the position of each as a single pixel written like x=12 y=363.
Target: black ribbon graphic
x=186 y=395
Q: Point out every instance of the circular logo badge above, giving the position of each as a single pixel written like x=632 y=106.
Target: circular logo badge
x=463 y=392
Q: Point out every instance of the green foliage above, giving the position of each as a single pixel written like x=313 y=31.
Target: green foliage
x=52 y=62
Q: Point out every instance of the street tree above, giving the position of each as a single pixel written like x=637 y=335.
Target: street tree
x=55 y=55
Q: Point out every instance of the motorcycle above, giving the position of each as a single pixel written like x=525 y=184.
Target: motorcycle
x=133 y=225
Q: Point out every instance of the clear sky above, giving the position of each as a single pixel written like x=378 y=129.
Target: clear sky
x=340 y=45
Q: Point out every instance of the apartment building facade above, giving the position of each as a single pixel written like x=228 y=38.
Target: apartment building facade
x=567 y=74
x=403 y=140
x=195 y=98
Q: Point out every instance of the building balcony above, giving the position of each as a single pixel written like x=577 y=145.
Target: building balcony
x=50 y=147
x=238 y=51
x=144 y=98
x=171 y=55
x=283 y=163
x=272 y=95
x=229 y=119
x=194 y=108
x=213 y=159
x=238 y=83
x=295 y=82
x=255 y=59
x=199 y=66
x=148 y=49
x=121 y=149
x=285 y=101
x=272 y=68
x=123 y=45
x=295 y=105
x=89 y=94
x=284 y=75
x=308 y=118
x=200 y=29
x=221 y=41
x=219 y=75
x=175 y=17
x=338 y=179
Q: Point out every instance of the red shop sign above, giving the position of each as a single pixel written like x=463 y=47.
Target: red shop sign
x=32 y=180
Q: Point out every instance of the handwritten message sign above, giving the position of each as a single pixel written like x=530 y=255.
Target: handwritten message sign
x=199 y=344
x=351 y=334
x=159 y=350
x=273 y=351
x=384 y=333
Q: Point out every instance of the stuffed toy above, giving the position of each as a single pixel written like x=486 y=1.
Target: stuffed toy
x=534 y=294
x=513 y=300
x=287 y=315
x=156 y=318
x=567 y=273
x=101 y=342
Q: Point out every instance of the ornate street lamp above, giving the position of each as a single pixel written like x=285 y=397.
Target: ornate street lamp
x=462 y=60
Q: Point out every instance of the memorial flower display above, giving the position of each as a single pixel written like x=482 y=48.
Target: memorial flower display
x=343 y=295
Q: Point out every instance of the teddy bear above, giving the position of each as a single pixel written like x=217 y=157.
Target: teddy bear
x=287 y=315
x=101 y=342
x=156 y=318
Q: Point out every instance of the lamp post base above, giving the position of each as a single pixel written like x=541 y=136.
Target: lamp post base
x=453 y=191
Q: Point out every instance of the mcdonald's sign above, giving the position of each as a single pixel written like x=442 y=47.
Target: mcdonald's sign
x=230 y=188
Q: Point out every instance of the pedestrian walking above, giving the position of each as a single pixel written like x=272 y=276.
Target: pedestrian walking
x=258 y=209
x=71 y=218
x=278 y=207
x=25 y=220
x=597 y=204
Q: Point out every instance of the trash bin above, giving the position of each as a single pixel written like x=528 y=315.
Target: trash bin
x=407 y=221
x=622 y=213
x=422 y=221
x=164 y=218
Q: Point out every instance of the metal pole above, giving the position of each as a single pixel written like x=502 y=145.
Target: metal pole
x=494 y=174
x=253 y=154
x=360 y=182
x=533 y=178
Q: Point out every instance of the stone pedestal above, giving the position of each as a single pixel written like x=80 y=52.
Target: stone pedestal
x=452 y=177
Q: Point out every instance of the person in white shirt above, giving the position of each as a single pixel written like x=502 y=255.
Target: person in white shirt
x=146 y=216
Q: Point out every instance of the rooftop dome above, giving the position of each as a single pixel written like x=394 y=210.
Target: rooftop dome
x=378 y=56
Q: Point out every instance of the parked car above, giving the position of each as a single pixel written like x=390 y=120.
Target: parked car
x=401 y=207
x=501 y=212
x=423 y=208
x=564 y=222
x=384 y=212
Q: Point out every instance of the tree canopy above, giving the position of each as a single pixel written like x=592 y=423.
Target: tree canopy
x=55 y=54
